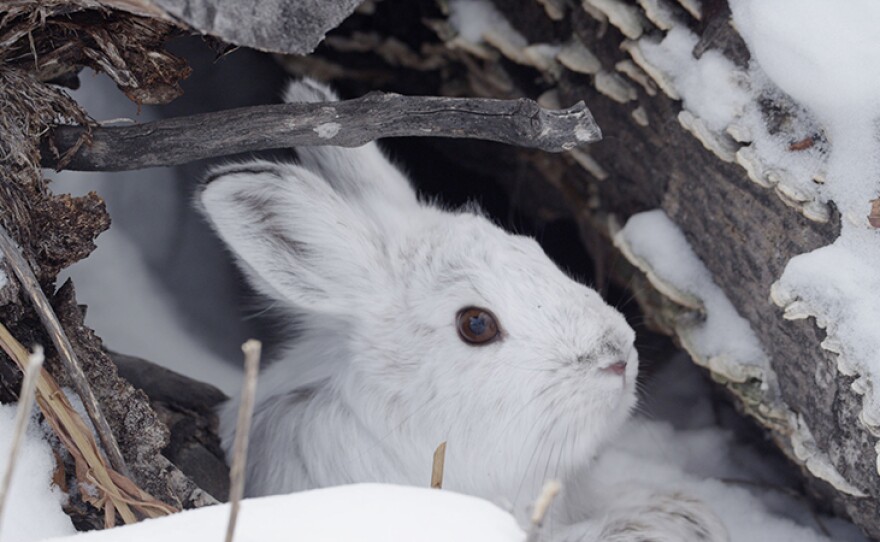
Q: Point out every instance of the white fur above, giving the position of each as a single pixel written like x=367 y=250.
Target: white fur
x=379 y=376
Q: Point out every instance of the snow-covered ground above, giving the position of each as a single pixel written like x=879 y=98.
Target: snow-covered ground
x=33 y=505
x=363 y=512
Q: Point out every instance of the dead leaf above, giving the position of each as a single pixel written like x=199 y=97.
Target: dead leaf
x=874 y=216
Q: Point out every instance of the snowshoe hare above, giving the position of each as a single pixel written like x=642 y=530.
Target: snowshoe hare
x=422 y=325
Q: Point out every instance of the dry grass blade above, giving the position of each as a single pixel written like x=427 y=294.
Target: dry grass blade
x=22 y=417
x=65 y=350
x=251 y=351
x=438 y=465
x=115 y=492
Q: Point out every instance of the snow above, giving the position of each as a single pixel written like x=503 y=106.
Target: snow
x=826 y=56
x=145 y=323
x=796 y=169
x=473 y=18
x=725 y=339
x=33 y=505
x=683 y=449
x=710 y=87
x=363 y=513
x=839 y=283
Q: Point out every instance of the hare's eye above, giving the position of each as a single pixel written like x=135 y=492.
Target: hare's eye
x=477 y=326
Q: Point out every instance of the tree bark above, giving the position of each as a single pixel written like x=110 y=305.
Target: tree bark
x=44 y=42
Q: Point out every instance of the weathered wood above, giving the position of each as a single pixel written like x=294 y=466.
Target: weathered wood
x=29 y=283
x=348 y=123
x=139 y=430
x=281 y=26
x=53 y=41
x=188 y=408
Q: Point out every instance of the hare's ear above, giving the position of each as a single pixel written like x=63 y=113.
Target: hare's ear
x=296 y=238
x=362 y=172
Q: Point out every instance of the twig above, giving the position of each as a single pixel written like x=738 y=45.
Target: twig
x=65 y=350
x=349 y=123
x=251 y=351
x=549 y=492
x=22 y=417
x=437 y=466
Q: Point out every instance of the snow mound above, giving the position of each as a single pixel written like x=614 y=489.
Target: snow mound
x=357 y=513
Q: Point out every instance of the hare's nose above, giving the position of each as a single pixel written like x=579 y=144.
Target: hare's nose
x=618 y=368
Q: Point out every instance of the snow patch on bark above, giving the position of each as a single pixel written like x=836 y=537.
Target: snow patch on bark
x=819 y=62
x=826 y=56
x=723 y=340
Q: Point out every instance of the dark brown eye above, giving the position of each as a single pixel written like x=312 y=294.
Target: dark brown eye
x=477 y=326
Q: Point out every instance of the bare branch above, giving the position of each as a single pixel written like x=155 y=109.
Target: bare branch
x=251 y=351
x=65 y=350
x=22 y=417
x=349 y=123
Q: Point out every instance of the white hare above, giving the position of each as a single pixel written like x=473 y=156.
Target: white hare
x=422 y=325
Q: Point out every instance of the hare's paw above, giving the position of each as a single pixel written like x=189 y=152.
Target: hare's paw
x=665 y=517
x=646 y=516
